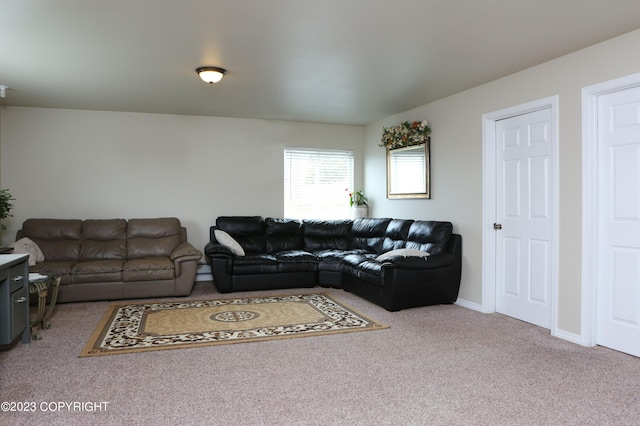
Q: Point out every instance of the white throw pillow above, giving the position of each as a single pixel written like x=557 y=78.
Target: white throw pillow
x=27 y=246
x=227 y=240
x=402 y=252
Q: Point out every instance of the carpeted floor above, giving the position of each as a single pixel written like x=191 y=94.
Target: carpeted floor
x=439 y=365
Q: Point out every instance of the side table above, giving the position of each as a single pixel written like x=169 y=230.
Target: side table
x=39 y=285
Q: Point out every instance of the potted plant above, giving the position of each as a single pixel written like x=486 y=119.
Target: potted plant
x=358 y=202
x=5 y=206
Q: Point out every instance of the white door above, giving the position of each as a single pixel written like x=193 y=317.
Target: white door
x=524 y=220
x=618 y=233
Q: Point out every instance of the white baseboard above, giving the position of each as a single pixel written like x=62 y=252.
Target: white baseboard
x=560 y=334
x=469 y=305
x=570 y=337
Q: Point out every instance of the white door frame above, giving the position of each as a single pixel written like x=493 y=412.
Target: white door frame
x=489 y=202
x=590 y=200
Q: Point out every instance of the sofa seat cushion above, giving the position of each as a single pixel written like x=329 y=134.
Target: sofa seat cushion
x=61 y=268
x=365 y=267
x=90 y=271
x=296 y=261
x=331 y=260
x=97 y=266
x=255 y=264
x=148 y=268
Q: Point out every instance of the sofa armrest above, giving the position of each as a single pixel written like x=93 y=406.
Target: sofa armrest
x=414 y=262
x=217 y=250
x=184 y=252
x=451 y=257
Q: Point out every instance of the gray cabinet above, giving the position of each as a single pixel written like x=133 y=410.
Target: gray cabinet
x=14 y=298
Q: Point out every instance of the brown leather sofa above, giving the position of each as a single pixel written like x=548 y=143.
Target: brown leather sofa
x=106 y=259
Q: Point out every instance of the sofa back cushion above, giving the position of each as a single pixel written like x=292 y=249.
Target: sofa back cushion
x=152 y=237
x=429 y=236
x=104 y=239
x=59 y=239
x=326 y=234
x=283 y=234
x=396 y=234
x=248 y=231
x=369 y=233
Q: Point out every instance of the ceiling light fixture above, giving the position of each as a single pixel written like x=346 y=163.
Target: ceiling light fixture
x=3 y=91
x=211 y=74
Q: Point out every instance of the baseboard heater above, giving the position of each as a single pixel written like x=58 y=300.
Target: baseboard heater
x=203 y=273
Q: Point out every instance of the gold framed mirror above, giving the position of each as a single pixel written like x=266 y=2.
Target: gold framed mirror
x=408 y=172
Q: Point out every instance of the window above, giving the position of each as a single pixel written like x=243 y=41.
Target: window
x=317 y=183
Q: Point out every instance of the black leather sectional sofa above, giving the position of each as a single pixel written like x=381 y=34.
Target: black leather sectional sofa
x=383 y=260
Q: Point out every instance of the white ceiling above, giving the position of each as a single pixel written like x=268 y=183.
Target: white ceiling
x=331 y=61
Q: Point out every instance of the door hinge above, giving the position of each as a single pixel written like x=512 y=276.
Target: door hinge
x=497 y=226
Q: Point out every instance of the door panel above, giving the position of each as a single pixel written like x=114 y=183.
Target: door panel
x=512 y=264
x=524 y=188
x=618 y=276
x=538 y=187
x=540 y=255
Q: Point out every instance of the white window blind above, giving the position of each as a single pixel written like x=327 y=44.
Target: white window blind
x=317 y=183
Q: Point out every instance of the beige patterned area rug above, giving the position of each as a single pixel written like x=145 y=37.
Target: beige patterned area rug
x=127 y=328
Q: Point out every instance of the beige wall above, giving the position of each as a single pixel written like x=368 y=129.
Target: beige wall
x=456 y=124
x=87 y=164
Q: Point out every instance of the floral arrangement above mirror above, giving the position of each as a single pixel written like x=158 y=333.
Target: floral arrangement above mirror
x=405 y=134
x=408 y=159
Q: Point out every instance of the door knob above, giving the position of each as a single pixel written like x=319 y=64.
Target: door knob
x=497 y=226
x=21 y=300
